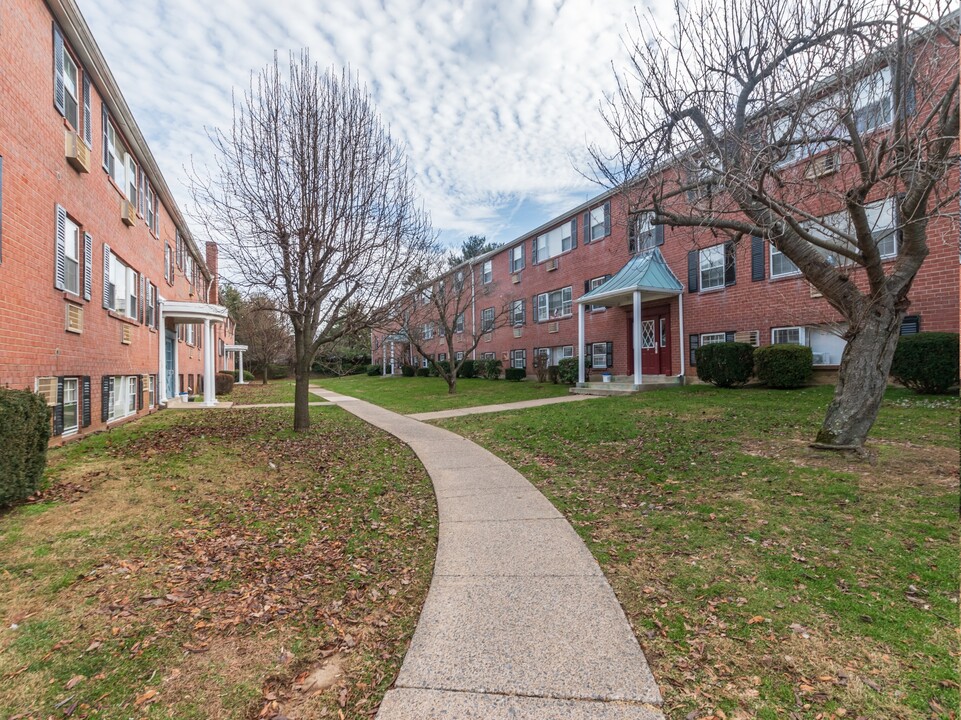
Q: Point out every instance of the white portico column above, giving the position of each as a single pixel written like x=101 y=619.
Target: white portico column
x=177 y=388
x=637 y=337
x=240 y=375
x=393 y=367
x=162 y=364
x=580 y=342
x=210 y=391
x=683 y=339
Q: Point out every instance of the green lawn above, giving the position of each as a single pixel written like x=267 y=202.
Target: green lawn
x=200 y=564
x=417 y=394
x=762 y=578
x=256 y=393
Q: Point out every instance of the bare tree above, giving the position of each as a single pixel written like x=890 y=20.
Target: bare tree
x=317 y=203
x=263 y=330
x=825 y=127
x=438 y=313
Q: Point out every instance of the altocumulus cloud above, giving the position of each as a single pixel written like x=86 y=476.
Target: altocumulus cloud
x=496 y=102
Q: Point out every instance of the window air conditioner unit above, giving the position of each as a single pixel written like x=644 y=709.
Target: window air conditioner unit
x=488 y=337
x=516 y=278
x=554 y=327
x=518 y=332
x=74 y=318
x=825 y=165
x=822 y=358
x=552 y=264
x=78 y=154
x=128 y=213
x=751 y=337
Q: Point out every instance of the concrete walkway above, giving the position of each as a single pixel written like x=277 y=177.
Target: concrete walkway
x=519 y=621
x=480 y=409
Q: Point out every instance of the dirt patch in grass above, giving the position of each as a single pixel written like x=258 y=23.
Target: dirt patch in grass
x=210 y=559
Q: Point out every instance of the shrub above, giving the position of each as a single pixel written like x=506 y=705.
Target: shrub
x=407 y=370
x=248 y=376
x=373 y=370
x=423 y=372
x=24 y=433
x=277 y=372
x=927 y=362
x=540 y=367
x=782 y=366
x=567 y=371
x=492 y=369
x=223 y=383
x=726 y=364
x=443 y=365
x=553 y=373
x=468 y=369
x=515 y=374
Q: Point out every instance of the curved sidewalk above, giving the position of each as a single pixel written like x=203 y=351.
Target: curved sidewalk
x=519 y=621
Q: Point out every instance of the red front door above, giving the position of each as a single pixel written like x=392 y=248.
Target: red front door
x=655 y=341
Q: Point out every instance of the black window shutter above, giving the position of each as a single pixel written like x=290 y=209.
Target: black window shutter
x=587 y=286
x=104 y=398
x=59 y=90
x=58 y=409
x=658 y=235
x=139 y=392
x=85 y=400
x=610 y=355
x=757 y=259
x=574 y=233
x=632 y=233
x=87 y=266
x=693 y=270
x=523 y=312
x=694 y=341
x=607 y=218
x=730 y=263
x=60 y=240
x=534 y=251
x=87 y=115
x=587 y=227
x=911 y=325
x=729 y=336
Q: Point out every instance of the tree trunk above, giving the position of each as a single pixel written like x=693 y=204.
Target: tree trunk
x=452 y=384
x=862 y=379
x=302 y=397
x=265 y=375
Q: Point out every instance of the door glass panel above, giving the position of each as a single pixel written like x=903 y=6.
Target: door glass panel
x=647 y=335
x=663 y=332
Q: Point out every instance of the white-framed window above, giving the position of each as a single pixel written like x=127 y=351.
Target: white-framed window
x=594 y=284
x=458 y=356
x=427 y=331
x=787 y=336
x=781 y=264
x=712 y=267
x=553 y=355
x=122 y=397
x=487 y=272
x=424 y=362
x=519 y=359
x=458 y=281
x=116 y=157
x=517 y=258
x=459 y=323
x=826 y=343
x=71 y=406
x=709 y=338
x=131 y=394
x=153 y=215
x=554 y=242
x=872 y=101
x=441 y=357
x=488 y=356
x=124 y=280
x=71 y=258
x=518 y=313
x=487 y=319
x=599 y=222
x=190 y=334
x=643 y=234
x=151 y=391
x=71 y=86
x=554 y=304
x=130 y=189
x=425 y=296
x=599 y=355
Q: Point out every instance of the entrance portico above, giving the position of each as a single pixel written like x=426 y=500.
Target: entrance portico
x=646 y=278
x=239 y=350
x=180 y=313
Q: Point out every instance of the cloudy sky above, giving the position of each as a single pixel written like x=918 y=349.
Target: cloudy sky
x=495 y=101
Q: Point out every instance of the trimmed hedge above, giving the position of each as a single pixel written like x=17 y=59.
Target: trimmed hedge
x=567 y=371
x=782 y=366
x=725 y=364
x=468 y=369
x=515 y=374
x=24 y=433
x=491 y=369
x=407 y=370
x=223 y=383
x=927 y=362
x=277 y=372
x=248 y=376
x=553 y=374
x=373 y=370
x=423 y=372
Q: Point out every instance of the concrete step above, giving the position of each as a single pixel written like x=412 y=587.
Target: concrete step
x=624 y=385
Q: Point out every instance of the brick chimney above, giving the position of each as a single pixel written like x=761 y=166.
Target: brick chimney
x=213 y=262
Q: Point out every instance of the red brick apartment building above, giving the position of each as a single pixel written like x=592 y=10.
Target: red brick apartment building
x=108 y=307
x=684 y=287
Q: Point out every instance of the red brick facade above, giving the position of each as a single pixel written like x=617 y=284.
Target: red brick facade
x=37 y=179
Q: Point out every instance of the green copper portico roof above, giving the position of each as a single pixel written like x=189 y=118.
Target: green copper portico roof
x=647 y=272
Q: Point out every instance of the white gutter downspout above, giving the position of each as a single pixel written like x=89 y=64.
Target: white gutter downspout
x=473 y=313
x=680 y=301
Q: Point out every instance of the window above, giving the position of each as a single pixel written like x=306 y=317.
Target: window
x=553 y=355
x=459 y=323
x=487 y=320
x=428 y=331
x=644 y=235
x=150 y=301
x=555 y=242
x=151 y=397
x=458 y=356
x=599 y=222
x=519 y=359
x=190 y=335
x=152 y=214
x=599 y=355
x=71 y=256
x=781 y=264
x=593 y=284
x=121 y=396
x=425 y=296
x=554 y=304
x=712 y=267
x=487 y=272
x=131 y=187
x=517 y=258
x=123 y=281
x=441 y=357
x=488 y=356
x=787 y=336
x=872 y=101
x=131 y=395
x=518 y=313
x=168 y=264
x=423 y=362
x=708 y=338
x=71 y=86
x=70 y=406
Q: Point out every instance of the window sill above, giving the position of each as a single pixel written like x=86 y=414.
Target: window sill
x=554 y=257
x=74 y=298
x=554 y=319
x=786 y=276
x=713 y=290
x=123 y=318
